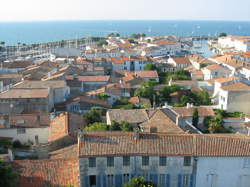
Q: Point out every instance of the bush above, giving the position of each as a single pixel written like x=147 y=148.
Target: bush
x=16 y=144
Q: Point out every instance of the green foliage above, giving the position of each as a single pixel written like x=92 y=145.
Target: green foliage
x=102 y=96
x=148 y=40
x=126 y=127
x=223 y=34
x=94 y=115
x=150 y=67
x=195 y=119
x=138 y=35
x=132 y=41
x=101 y=43
x=7 y=175
x=146 y=90
x=97 y=126
x=197 y=98
x=167 y=90
x=16 y=144
x=115 y=126
x=139 y=182
x=123 y=104
x=177 y=75
x=5 y=143
x=114 y=35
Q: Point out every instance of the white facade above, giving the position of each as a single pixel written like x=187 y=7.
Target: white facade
x=223 y=172
x=24 y=135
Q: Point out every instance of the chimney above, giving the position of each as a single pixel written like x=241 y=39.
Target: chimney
x=80 y=137
x=165 y=105
x=188 y=105
x=136 y=134
x=10 y=154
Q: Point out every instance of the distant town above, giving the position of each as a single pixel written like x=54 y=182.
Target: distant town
x=115 y=111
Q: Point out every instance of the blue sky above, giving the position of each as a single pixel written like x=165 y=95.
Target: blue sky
x=33 y=10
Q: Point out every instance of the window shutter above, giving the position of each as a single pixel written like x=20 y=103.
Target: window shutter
x=118 y=180
x=86 y=181
x=180 y=180
x=167 y=180
x=104 y=180
x=192 y=178
x=153 y=178
x=98 y=180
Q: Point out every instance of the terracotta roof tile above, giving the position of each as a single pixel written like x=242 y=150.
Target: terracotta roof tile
x=52 y=173
x=236 y=87
x=119 y=144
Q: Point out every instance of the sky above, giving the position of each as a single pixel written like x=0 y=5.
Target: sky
x=44 y=10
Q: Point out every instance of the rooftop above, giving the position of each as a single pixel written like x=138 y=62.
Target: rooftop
x=24 y=93
x=119 y=144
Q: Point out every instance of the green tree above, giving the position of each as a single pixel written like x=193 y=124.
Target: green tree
x=97 y=126
x=94 y=115
x=146 y=90
x=167 y=90
x=139 y=182
x=114 y=35
x=126 y=127
x=7 y=175
x=115 y=126
x=195 y=119
x=150 y=67
x=102 y=96
x=101 y=43
x=132 y=41
x=223 y=34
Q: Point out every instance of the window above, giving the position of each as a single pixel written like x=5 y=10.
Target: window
x=145 y=160
x=163 y=161
x=187 y=161
x=126 y=161
x=92 y=162
x=153 y=129
x=110 y=161
x=92 y=180
x=20 y=121
x=21 y=130
x=246 y=162
x=125 y=178
x=110 y=180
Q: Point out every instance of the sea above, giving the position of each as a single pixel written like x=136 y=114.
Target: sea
x=46 y=31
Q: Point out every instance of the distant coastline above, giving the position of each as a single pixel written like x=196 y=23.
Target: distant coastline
x=51 y=31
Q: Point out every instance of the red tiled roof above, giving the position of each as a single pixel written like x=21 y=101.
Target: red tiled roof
x=99 y=78
x=213 y=67
x=143 y=74
x=188 y=112
x=40 y=173
x=119 y=144
x=90 y=100
x=181 y=60
x=236 y=87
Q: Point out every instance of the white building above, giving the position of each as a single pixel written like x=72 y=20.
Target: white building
x=215 y=71
x=235 y=97
x=26 y=135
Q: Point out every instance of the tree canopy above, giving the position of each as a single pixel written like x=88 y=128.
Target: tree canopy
x=146 y=90
x=223 y=34
x=101 y=43
x=7 y=175
x=97 y=126
x=150 y=67
x=94 y=115
x=139 y=182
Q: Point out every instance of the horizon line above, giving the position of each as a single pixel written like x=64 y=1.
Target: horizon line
x=62 y=20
